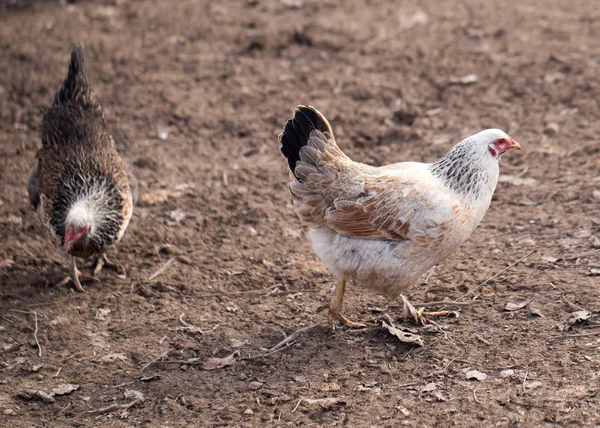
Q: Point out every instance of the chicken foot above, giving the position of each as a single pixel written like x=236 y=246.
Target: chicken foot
x=102 y=261
x=335 y=306
x=420 y=316
x=76 y=277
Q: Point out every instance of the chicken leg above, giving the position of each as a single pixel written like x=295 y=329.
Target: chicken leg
x=420 y=316
x=335 y=306
x=76 y=277
x=102 y=261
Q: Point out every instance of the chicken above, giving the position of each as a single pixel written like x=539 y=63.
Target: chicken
x=383 y=227
x=79 y=186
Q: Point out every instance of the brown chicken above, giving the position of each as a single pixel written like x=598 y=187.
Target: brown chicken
x=79 y=186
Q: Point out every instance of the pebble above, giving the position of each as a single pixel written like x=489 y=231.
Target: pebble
x=507 y=373
x=255 y=385
x=475 y=374
x=248 y=412
x=528 y=242
x=551 y=129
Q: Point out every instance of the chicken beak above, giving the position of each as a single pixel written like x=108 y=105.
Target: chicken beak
x=514 y=144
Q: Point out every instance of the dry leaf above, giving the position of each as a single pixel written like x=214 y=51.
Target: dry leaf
x=475 y=374
x=218 y=363
x=536 y=312
x=403 y=336
x=30 y=394
x=132 y=393
x=579 y=316
x=64 y=389
x=324 y=402
x=115 y=356
x=532 y=385
x=431 y=386
x=517 y=304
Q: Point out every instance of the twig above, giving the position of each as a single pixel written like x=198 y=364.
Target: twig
x=573 y=305
x=593 y=333
x=475 y=396
x=292 y=337
x=474 y=289
x=162 y=269
x=187 y=326
x=65 y=408
x=272 y=290
x=10 y=349
x=164 y=354
x=413 y=22
x=445 y=303
x=443 y=370
x=35 y=335
x=589 y=253
x=298 y=404
x=524 y=379
x=405 y=385
x=113 y=407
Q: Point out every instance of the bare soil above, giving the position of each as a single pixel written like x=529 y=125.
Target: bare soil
x=223 y=77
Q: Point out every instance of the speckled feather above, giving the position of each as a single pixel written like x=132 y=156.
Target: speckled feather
x=78 y=159
x=383 y=226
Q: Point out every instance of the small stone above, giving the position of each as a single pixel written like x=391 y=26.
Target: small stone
x=40 y=377
x=248 y=412
x=469 y=79
x=293 y=4
x=252 y=231
x=475 y=374
x=507 y=373
x=551 y=129
x=102 y=314
x=596 y=194
x=403 y=410
x=36 y=368
x=10 y=412
x=255 y=385
x=64 y=389
x=532 y=385
x=527 y=242
x=549 y=258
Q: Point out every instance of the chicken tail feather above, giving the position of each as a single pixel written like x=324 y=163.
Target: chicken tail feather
x=298 y=131
x=75 y=88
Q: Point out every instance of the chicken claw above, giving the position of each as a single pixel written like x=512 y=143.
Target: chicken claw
x=76 y=277
x=335 y=306
x=102 y=261
x=420 y=316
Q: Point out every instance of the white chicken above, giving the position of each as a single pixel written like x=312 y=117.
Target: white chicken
x=385 y=226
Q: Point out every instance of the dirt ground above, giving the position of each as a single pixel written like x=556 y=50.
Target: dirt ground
x=223 y=77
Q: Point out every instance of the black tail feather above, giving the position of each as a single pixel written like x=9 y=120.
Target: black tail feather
x=75 y=88
x=297 y=131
